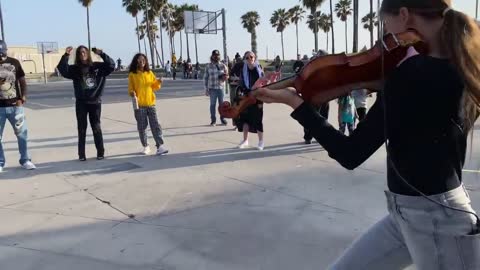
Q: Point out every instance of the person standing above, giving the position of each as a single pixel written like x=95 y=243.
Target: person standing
x=430 y=223
x=141 y=86
x=168 y=69
x=360 y=96
x=13 y=95
x=250 y=120
x=88 y=82
x=216 y=73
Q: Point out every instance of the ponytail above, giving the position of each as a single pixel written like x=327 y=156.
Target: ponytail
x=460 y=36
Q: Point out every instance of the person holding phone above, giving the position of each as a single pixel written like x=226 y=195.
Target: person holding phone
x=88 y=82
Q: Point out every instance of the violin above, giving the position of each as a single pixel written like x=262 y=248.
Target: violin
x=331 y=76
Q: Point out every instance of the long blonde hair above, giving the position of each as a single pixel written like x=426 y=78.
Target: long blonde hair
x=460 y=38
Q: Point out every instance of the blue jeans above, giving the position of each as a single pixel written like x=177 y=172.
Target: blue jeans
x=215 y=94
x=16 y=117
x=418 y=232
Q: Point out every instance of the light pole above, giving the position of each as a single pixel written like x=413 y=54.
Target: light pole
x=476 y=13
x=1 y=21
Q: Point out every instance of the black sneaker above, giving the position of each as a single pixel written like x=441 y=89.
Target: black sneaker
x=308 y=142
x=82 y=158
x=224 y=122
x=213 y=123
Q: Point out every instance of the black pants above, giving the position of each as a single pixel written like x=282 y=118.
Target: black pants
x=362 y=112
x=323 y=110
x=93 y=111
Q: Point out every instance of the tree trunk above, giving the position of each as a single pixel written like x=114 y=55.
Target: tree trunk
x=254 y=41
x=196 y=47
x=355 y=26
x=331 y=26
x=138 y=35
x=188 y=46
x=181 y=44
x=161 y=39
x=346 y=38
x=145 y=45
x=150 y=41
x=283 y=49
x=88 y=27
x=371 y=24
x=327 y=42
x=379 y=34
x=315 y=29
x=298 y=51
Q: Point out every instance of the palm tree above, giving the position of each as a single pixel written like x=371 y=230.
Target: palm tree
x=313 y=5
x=296 y=15
x=369 y=22
x=344 y=9
x=250 y=21
x=280 y=20
x=168 y=25
x=313 y=20
x=355 y=26
x=141 y=30
x=87 y=3
x=331 y=26
x=133 y=7
x=325 y=24
x=156 y=6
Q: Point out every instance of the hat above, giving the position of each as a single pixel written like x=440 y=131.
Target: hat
x=3 y=47
x=215 y=52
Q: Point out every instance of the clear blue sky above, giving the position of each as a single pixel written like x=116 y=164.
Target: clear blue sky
x=64 y=21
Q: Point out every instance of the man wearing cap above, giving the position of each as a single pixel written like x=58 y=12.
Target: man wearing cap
x=216 y=73
x=13 y=94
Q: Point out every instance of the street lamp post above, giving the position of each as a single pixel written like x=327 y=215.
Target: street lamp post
x=476 y=12
x=1 y=21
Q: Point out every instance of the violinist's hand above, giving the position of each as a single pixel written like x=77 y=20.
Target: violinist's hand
x=286 y=96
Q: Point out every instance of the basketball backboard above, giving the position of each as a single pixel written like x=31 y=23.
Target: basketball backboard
x=200 y=22
x=47 y=47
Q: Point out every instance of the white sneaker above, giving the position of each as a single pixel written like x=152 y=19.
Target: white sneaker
x=261 y=145
x=146 y=150
x=1 y=169
x=243 y=144
x=29 y=165
x=162 y=150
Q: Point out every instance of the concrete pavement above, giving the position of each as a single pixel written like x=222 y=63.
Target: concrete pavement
x=205 y=206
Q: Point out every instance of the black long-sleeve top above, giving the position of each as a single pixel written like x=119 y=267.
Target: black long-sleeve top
x=88 y=81
x=423 y=123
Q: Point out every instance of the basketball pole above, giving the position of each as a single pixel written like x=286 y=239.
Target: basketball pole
x=44 y=70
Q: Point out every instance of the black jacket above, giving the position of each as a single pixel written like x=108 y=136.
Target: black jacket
x=88 y=81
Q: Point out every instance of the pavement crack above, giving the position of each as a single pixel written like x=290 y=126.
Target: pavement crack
x=130 y=216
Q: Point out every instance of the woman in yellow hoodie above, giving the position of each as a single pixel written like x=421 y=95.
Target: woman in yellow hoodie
x=141 y=84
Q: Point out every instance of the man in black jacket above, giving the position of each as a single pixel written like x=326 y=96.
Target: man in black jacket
x=88 y=82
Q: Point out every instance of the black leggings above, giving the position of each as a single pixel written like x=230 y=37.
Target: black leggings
x=93 y=111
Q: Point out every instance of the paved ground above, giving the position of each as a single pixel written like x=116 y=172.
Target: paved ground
x=205 y=206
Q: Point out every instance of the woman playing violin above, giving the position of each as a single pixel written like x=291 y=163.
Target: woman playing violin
x=430 y=221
